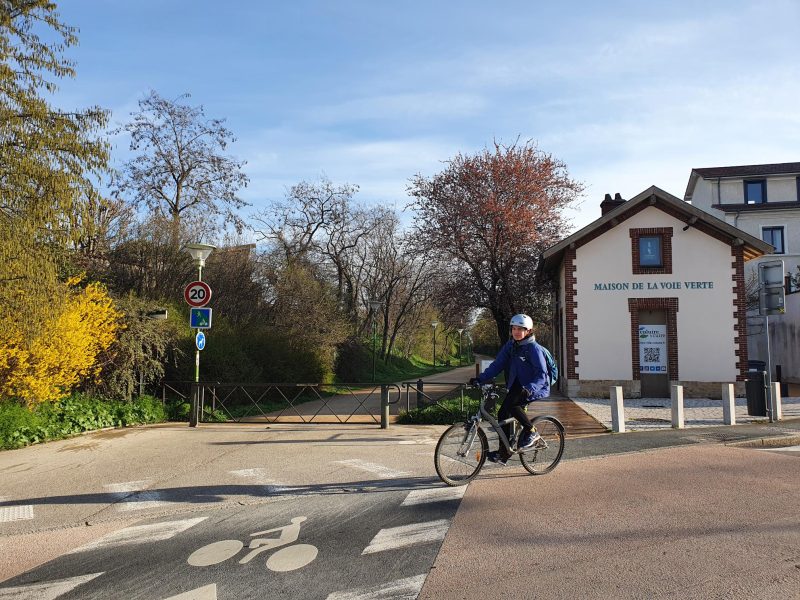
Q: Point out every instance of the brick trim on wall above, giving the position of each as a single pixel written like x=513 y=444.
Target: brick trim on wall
x=670 y=307
x=666 y=250
x=739 y=312
x=570 y=281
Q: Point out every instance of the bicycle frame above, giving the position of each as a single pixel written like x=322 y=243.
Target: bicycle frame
x=483 y=414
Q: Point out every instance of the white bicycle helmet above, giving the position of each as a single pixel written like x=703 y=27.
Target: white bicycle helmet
x=522 y=321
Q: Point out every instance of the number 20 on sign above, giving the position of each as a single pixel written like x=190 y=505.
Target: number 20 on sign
x=197 y=293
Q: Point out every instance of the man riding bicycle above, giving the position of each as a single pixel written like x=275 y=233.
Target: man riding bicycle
x=527 y=380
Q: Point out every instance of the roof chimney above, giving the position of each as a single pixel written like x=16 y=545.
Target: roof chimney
x=607 y=205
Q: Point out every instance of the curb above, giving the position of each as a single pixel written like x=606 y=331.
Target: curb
x=769 y=442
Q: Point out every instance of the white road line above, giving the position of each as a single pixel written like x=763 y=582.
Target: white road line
x=408 y=535
x=422 y=441
x=260 y=477
x=22 y=512
x=207 y=592
x=133 y=495
x=441 y=494
x=374 y=468
x=45 y=591
x=141 y=534
x=400 y=589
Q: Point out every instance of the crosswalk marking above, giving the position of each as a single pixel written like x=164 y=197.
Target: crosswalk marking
x=259 y=476
x=45 y=591
x=434 y=495
x=20 y=512
x=374 y=468
x=408 y=535
x=400 y=589
x=140 y=534
x=133 y=495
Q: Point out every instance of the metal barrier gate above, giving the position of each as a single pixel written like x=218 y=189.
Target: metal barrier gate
x=285 y=402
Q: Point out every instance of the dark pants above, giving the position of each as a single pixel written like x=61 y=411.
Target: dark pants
x=514 y=406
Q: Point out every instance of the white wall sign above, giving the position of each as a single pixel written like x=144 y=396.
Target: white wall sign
x=652 y=348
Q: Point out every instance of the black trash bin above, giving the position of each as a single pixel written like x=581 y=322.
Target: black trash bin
x=756 y=393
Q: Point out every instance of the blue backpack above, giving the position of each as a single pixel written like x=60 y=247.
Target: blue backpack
x=552 y=366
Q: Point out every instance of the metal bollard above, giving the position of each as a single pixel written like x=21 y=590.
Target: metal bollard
x=420 y=396
x=384 y=407
x=195 y=405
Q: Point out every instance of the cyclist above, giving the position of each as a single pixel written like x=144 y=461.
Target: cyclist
x=527 y=379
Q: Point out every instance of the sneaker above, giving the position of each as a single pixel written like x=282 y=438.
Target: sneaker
x=529 y=440
x=496 y=458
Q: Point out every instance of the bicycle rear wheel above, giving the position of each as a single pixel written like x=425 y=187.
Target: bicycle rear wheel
x=541 y=460
x=460 y=453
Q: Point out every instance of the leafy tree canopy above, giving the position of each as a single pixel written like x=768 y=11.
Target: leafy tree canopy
x=486 y=218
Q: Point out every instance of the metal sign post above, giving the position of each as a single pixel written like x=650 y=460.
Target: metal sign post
x=771 y=301
x=197 y=294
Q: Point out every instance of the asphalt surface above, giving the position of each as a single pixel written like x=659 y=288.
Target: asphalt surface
x=658 y=514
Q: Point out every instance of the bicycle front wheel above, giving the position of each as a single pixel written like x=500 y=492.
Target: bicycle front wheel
x=545 y=456
x=460 y=453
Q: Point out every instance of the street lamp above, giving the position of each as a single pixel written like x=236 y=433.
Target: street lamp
x=374 y=306
x=434 y=324
x=199 y=253
x=460 y=331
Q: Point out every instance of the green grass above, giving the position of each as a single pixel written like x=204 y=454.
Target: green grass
x=445 y=411
x=398 y=368
x=21 y=426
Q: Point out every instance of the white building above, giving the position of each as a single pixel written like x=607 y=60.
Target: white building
x=651 y=294
x=764 y=201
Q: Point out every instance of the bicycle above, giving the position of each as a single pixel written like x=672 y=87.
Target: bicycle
x=461 y=451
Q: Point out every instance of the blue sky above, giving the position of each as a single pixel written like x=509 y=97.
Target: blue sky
x=627 y=94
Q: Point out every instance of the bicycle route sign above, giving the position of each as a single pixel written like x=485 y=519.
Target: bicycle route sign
x=197 y=294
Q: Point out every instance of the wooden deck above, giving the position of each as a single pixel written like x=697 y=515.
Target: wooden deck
x=577 y=422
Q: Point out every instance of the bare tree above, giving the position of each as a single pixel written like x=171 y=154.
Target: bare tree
x=179 y=167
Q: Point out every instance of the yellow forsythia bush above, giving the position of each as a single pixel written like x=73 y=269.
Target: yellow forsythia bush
x=66 y=352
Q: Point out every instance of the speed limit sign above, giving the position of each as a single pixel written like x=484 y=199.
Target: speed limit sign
x=197 y=293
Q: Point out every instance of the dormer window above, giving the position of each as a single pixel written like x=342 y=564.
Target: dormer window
x=755 y=191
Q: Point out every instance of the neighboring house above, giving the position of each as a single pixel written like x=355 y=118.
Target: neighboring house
x=764 y=201
x=651 y=294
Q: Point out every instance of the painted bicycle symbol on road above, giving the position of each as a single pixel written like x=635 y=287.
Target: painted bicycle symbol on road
x=288 y=559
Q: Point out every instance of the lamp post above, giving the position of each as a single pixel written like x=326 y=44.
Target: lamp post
x=460 y=331
x=199 y=253
x=374 y=306
x=434 y=324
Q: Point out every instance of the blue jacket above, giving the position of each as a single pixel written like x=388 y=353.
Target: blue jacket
x=523 y=362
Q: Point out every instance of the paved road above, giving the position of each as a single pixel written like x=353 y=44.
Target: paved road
x=122 y=513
